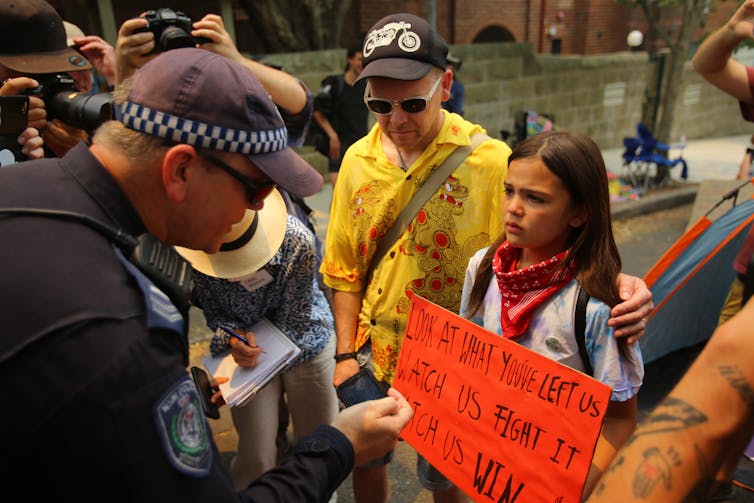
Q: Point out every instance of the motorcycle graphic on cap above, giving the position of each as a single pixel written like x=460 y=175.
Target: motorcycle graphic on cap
x=408 y=41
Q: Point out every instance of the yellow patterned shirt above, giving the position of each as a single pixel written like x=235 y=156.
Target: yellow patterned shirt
x=430 y=258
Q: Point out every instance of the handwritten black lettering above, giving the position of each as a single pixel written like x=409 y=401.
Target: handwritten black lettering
x=588 y=405
x=423 y=376
x=452 y=446
x=482 y=481
x=426 y=427
x=476 y=353
x=447 y=338
x=518 y=374
x=420 y=326
x=570 y=451
x=556 y=390
x=517 y=430
x=467 y=402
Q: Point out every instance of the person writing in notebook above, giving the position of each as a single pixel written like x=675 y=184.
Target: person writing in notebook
x=266 y=269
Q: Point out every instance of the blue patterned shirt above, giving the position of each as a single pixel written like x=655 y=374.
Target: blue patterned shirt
x=292 y=301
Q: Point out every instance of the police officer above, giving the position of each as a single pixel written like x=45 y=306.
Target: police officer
x=97 y=402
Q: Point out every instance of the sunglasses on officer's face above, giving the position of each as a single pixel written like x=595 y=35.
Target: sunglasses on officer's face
x=409 y=105
x=256 y=192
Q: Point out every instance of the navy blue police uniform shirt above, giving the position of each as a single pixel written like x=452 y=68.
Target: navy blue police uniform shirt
x=97 y=403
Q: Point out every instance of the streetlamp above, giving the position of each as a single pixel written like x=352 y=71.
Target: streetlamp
x=634 y=39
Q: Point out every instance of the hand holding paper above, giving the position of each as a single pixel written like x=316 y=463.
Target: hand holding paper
x=246 y=381
x=244 y=347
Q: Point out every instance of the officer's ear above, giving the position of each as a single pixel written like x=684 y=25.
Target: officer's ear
x=179 y=169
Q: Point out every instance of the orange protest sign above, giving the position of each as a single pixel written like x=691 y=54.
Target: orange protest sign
x=503 y=423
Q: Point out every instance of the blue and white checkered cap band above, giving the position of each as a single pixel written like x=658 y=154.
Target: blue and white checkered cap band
x=200 y=134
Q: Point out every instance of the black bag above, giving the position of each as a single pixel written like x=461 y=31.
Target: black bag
x=324 y=102
x=317 y=138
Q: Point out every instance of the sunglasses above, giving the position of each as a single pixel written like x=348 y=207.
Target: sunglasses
x=409 y=105
x=256 y=192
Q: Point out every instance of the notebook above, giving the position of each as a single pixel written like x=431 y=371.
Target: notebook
x=279 y=352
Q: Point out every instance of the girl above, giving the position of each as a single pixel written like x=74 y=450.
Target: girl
x=558 y=238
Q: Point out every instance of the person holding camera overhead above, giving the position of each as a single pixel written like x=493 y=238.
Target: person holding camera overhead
x=141 y=39
x=32 y=45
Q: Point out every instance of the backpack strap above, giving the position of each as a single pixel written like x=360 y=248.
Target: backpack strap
x=579 y=329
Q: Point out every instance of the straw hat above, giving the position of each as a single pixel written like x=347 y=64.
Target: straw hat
x=249 y=245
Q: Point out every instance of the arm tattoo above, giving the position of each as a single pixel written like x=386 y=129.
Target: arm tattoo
x=738 y=382
x=672 y=414
x=653 y=469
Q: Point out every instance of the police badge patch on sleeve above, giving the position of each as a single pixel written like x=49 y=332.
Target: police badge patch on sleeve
x=183 y=429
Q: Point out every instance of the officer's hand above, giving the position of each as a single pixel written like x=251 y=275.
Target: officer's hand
x=373 y=427
x=217 y=396
x=31 y=143
x=211 y=27
x=60 y=137
x=245 y=355
x=132 y=49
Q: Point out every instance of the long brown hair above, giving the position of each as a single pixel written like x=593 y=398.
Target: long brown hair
x=577 y=161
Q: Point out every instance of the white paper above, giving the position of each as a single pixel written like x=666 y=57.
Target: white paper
x=279 y=351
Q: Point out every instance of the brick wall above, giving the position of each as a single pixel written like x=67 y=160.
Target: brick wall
x=600 y=96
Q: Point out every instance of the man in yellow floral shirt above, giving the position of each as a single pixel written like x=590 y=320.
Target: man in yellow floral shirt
x=405 y=67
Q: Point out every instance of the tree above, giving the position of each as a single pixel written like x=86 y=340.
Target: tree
x=297 y=25
x=658 y=19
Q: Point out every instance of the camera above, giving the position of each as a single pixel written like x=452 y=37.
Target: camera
x=171 y=30
x=64 y=102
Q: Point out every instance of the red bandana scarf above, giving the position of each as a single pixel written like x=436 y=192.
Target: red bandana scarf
x=524 y=290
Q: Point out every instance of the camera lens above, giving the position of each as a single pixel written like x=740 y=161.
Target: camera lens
x=173 y=37
x=84 y=111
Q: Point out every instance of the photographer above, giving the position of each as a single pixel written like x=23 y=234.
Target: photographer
x=33 y=44
x=60 y=136
x=136 y=45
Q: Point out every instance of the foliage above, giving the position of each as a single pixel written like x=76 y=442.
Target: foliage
x=685 y=17
x=297 y=25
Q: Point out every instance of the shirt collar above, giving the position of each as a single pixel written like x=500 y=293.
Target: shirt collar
x=99 y=184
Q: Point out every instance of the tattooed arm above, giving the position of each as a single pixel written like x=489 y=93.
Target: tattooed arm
x=705 y=421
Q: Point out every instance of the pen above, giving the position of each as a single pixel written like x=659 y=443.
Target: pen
x=233 y=333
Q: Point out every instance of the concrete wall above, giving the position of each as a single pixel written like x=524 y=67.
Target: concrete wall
x=600 y=96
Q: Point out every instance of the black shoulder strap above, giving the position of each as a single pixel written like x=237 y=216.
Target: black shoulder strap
x=579 y=325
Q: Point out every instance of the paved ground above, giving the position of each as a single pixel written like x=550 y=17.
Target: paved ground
x=643 y=231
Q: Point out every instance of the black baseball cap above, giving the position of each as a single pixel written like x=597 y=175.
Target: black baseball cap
x=404 y=47
x=33 y=39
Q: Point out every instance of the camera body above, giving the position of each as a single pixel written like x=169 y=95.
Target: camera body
x=51 y=84
x=64 y=102
x=171 y=30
